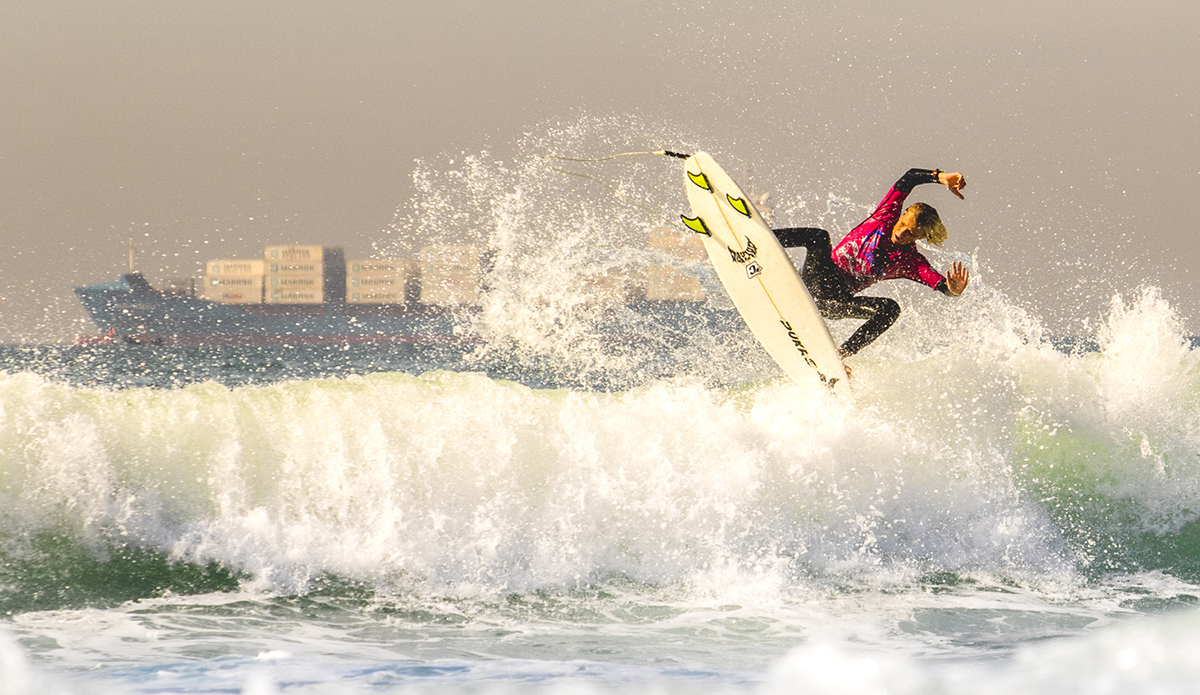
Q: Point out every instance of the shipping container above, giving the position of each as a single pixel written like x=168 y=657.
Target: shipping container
x=296 y=282
x=377 y=266
x=282 y=296
x=295 y=268
x=450 y=274
x=234 y=289
x=670 y=284
x=392 y=281
x=375 y=281
x=615 y=288
x=294 y=254
x=685 y=245
x=235 y=267
x=233 y=281
x=377 y=288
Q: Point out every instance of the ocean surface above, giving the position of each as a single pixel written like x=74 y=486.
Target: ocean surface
x=554 y=511
x=995 y=514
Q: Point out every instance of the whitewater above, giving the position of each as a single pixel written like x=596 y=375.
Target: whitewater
x=992 y=511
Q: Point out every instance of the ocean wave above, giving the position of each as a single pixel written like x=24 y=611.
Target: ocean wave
x=1004 y=457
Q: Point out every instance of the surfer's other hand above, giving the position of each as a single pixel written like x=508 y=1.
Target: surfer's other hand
x=954 y=181
x=957 y=278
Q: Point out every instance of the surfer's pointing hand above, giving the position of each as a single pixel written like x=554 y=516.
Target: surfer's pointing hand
x=954 y=181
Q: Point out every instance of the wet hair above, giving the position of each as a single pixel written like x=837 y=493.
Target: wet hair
x=928 y=223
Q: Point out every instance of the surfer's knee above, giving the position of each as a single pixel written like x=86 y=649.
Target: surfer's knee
x=889 y=311
x=889 y=308
x=885 y=311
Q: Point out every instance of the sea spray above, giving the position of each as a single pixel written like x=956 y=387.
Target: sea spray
x=564 y=256
x=457 y=482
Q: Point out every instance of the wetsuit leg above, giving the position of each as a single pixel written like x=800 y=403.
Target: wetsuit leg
x=820 y=274
x=880 y=313
x=827 y=285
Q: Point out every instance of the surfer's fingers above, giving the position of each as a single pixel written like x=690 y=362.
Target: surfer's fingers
x=955 y=182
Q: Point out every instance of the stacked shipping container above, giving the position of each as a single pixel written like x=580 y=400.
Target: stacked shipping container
x=295 y=274
x=234 y=281
x=671 y=284
x=450 y=274
x=379 y=282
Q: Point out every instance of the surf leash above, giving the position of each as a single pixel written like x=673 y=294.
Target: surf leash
x=632 y=201
x=667 y=153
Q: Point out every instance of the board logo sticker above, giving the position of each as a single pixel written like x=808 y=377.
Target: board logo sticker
x=744 y=256
x=753 y=270
x=696 y=225
x=739 y=204
x=700 y=180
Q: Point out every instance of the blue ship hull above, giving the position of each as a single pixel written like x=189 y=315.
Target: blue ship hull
x=130 y=310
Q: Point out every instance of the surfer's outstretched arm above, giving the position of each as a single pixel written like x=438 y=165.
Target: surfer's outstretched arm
x=954 y=181
x=912 y=178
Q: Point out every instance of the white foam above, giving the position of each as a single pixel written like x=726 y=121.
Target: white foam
x=469 y=484
x=1138 y=656
x=17 y=677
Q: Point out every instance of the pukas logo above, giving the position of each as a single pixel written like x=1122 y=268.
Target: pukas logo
x=804 y=352
x=744 y=256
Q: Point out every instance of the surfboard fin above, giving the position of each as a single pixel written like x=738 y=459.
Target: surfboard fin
x=696 y=224
x=700 y=180
x=739 y=204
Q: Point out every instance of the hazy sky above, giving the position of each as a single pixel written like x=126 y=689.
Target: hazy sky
x=212 y=128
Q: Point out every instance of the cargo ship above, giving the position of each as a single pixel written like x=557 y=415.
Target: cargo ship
x=313 y=294
x=294 y=294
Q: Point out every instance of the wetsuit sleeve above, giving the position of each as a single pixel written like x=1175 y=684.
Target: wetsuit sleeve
x=889 y=209
x=915 y=177
x=919 y=269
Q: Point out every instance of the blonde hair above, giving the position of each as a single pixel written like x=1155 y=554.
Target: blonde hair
x=929 y=223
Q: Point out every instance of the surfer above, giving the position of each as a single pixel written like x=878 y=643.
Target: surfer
x=881 y=248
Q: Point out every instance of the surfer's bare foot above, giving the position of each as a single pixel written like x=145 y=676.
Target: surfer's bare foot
x=843 y=355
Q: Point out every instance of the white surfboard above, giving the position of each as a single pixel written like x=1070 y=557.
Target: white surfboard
x=759 y=276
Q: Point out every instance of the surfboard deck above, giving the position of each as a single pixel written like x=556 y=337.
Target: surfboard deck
x=759 y=276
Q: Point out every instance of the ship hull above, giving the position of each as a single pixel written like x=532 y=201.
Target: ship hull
x=129 y=310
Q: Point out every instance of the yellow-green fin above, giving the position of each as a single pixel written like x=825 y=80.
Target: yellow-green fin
x=696 y=224
x=739 y=204
x=700 y=180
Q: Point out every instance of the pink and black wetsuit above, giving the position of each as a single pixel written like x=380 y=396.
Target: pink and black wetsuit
x=864 y=257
